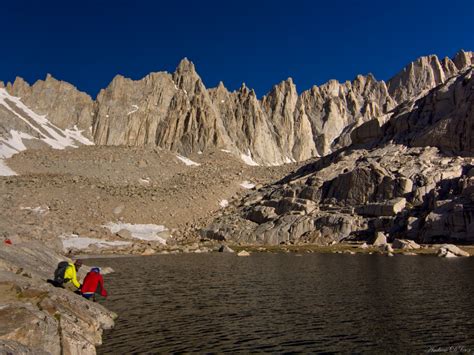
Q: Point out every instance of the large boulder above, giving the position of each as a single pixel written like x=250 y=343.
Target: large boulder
x=388 y=208
x=261 y=214
x=379 y=239
x=225 y=249
x=405 y=244
x=367 y=132
x=449 y=250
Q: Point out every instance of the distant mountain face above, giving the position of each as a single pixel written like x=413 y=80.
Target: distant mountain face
x=410 y=177
x=20 y=128
x=177 y=112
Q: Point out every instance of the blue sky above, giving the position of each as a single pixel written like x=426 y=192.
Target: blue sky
x=257 y=42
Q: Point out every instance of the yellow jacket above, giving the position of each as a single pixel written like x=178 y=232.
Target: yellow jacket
x=71 y=276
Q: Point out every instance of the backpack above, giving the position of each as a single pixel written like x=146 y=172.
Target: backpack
x=59 y=273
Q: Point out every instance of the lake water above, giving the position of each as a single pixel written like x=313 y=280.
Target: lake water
x=289 y=303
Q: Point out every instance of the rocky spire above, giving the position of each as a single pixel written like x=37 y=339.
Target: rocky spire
x=176 y=111
x=186 y=77
x=425 y=73
x=463 y=59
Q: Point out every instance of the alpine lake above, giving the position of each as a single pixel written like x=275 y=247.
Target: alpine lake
x=289 y=302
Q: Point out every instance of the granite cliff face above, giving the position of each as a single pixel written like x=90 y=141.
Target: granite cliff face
x=408 y=176
x=63 y=104
x=177 y=112
x=442 y=118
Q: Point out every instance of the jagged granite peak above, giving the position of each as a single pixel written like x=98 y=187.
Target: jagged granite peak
x=333 y=107
x=173 y=111
x=422 y=74
x=128 y=110
x=463 y=59
x=411 y=178
x=279 y=106
x=221 y=86
x=443 y=118
x=186 y=77
x=62 y=103
x=246 y=125
x=176 y=111
x=425 y=73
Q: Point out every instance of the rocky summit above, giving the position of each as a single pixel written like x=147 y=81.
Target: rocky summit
x=408 y=175
x=177 y=112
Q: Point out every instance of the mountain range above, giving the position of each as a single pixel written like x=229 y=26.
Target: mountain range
x=176 y=111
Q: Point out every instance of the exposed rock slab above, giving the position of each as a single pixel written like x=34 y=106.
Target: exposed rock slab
x=39 y=316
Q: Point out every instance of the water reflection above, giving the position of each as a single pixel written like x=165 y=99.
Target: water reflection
x=280 y=303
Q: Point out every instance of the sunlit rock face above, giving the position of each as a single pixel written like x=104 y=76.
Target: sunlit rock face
x=426 y=73
x=176 y=111
x=408 y=175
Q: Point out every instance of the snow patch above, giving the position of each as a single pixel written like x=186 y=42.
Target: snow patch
x=225 y=151
x=140 y=231
x=247 y=185
x=47 y=132
x=73 y=241
x=5 y=170
x=54 y=137
x=76 y=133
x=187 y=161
x=38 y=210
x=144 y=181
x=247 y=158
x=224 y=203
x=135 y=109
x=14 y=144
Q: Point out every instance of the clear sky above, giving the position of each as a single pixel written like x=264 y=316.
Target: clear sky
x=257 y=42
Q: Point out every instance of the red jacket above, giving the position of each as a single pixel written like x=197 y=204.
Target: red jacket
x=94 y=283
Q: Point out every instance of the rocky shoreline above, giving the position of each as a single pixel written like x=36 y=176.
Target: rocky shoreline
x=37 y=318
x=398 y=247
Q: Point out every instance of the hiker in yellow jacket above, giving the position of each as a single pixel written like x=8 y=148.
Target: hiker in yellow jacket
x=70 y=276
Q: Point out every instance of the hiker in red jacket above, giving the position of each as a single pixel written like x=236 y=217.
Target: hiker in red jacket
x=93 y=284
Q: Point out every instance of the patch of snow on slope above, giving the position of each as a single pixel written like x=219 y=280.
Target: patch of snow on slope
x=48 y=133
x=226 y=151
x=73 y=241
x=247 y=158
x=135 y=109
x=5 y=170
x=76 y=133
x=224 y=203
x=247 y=185
x=39 y=210
x=14 y=144
x=187 y=161
x=54 y=137
x=144 y=181
x=140 y=231
x=9 y=147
